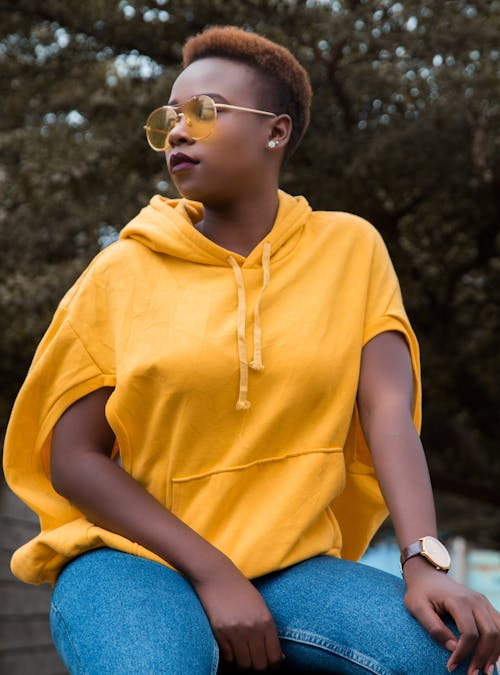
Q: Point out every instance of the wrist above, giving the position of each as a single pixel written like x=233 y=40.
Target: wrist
x=418 y=566
x=213 y=565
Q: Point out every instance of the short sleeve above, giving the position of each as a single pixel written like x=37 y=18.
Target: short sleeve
x=360 y=509
x=74 y=357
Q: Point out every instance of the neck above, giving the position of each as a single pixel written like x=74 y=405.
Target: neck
x=240 y=225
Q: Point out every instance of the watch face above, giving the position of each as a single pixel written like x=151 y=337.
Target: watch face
x=436 y=552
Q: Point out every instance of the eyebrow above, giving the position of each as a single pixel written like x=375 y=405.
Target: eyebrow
x=213 y=95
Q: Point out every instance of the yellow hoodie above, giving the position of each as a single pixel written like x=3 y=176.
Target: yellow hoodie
x=235 y=386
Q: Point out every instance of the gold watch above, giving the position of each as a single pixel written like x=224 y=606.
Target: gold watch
x=431 y=549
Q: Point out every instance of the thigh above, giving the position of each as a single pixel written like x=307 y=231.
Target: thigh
x=116 y=613
x=337 y=616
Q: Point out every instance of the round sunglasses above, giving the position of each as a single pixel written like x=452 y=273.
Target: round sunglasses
x=200 y=114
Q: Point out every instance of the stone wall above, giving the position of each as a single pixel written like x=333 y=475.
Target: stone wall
x=25 y=643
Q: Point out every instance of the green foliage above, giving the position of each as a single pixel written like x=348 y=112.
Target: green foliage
x=404 y=131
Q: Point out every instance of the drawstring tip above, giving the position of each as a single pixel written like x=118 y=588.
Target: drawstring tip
x=256 y=365
x=243 y=405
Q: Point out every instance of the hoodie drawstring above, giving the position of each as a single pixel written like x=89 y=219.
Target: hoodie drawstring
x=256 y=364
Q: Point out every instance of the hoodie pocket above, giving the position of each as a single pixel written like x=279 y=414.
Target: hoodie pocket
x=267 y=514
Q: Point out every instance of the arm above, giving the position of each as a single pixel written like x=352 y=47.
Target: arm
x=385 y=401
x=82 y=471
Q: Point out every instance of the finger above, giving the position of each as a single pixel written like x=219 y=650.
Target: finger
x=258 y=652
x=494 y=660
x=469 y=633
x=483 y=622
x=273 y=647
x=241 y=650
x=225 y=648
x=434 y=625
x=487 y=646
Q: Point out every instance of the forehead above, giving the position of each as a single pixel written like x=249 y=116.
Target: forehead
x=235 y=81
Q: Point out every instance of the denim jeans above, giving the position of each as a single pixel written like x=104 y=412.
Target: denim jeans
x=117 y=614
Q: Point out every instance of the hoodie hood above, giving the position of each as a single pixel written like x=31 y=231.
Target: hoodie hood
x=167 y=226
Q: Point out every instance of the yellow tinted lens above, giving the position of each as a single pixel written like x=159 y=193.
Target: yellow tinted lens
x=160 y=123
x=200 y=114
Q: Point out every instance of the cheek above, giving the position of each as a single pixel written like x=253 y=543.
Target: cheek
x=239 y=147
x=239 y=128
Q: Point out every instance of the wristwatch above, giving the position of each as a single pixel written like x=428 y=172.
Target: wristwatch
x=431 y=549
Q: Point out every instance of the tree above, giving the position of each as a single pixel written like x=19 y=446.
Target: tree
x=405 y=117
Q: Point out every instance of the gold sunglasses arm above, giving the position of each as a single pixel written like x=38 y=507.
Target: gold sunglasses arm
x=226 y=106
x=146 y=127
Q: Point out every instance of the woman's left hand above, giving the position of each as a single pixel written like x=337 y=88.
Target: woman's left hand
x=431 y=594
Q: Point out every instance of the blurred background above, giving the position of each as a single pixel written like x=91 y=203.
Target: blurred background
x=405 y=132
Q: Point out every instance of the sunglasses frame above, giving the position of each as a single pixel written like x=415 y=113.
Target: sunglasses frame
x=216 y=106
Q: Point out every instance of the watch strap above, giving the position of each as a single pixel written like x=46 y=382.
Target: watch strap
x=410 y=551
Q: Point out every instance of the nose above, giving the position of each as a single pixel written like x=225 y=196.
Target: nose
x=180 y=133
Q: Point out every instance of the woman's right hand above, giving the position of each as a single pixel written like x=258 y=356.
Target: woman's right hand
x=240 y=619
x=82 y=471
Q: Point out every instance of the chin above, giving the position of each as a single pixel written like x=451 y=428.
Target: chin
x=193 y=194
x=203 y=194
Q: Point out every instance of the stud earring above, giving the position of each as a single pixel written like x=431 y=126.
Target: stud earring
x=272 y=144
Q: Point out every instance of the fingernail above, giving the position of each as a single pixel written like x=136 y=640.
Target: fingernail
x=450 y=645
x=451 y=668
x=490 y=669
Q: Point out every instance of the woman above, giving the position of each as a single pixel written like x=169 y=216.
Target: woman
x=245 y=488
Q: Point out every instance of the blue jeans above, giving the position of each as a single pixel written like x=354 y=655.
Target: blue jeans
x=116 y=614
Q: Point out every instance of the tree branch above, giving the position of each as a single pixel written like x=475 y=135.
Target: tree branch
x=163 y=52
x=331 y=63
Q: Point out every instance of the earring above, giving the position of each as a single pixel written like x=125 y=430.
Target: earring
x=272 y=144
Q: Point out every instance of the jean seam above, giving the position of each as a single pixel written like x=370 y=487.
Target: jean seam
x=215 y=660
x=322 y=642
x=62 y=624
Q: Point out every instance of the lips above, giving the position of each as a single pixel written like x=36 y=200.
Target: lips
x=179 y=162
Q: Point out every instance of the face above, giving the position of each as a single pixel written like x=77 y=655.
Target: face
x=234 y=159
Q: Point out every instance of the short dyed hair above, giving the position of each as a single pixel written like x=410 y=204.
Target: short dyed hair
x=286 y=85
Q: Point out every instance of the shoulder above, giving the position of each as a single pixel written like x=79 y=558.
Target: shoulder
x=344 y=227
x=117 y=265
x=344 y=222
x=116 y=255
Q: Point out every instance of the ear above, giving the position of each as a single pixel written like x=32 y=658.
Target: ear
x=280 y=131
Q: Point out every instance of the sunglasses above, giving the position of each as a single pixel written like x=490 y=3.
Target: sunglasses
x=200 y=114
